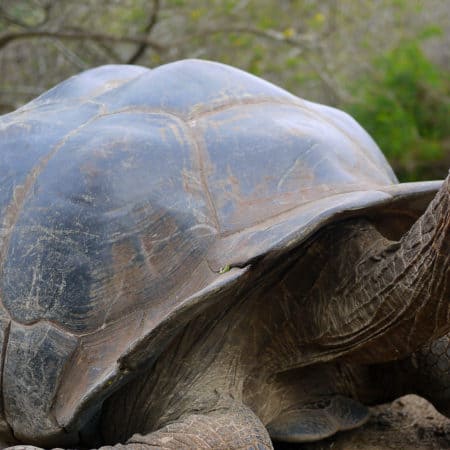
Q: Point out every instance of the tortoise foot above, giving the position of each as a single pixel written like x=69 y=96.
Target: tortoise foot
x=318 y=420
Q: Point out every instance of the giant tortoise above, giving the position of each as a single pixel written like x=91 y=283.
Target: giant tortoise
x=192 y=257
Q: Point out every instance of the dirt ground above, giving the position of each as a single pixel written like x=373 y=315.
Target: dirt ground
x=409 y=423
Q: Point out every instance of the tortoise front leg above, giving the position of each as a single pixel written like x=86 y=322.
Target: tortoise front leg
x=235 y=428
x=230 y=428
x=426 y=373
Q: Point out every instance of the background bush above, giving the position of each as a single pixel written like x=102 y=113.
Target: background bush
x=405 y=106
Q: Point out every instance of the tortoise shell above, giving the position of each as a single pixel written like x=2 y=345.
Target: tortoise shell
x=131 y=199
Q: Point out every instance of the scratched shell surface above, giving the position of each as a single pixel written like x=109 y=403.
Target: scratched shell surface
x=124 y=191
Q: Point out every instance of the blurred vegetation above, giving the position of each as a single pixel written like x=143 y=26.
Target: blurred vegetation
x=384 y=61
x=405 y=106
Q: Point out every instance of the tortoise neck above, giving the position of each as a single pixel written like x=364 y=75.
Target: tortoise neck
x=393 y=297
x=354 y=292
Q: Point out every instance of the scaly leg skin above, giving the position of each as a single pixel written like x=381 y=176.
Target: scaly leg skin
x=426 y=373
x=430 y=368
x=235 y=428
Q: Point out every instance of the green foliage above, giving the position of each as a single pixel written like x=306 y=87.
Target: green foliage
x=25 y=12
x=404 y=104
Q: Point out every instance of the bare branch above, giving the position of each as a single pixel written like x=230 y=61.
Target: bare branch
x=153 y=19
x=21 y=90
x=70 y=55
x=304 y=40
x=104 y=51
x=6 y=38
x=329 y=82
x=101 y=48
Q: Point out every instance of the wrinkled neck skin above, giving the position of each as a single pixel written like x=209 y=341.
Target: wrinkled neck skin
x=277 y=346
